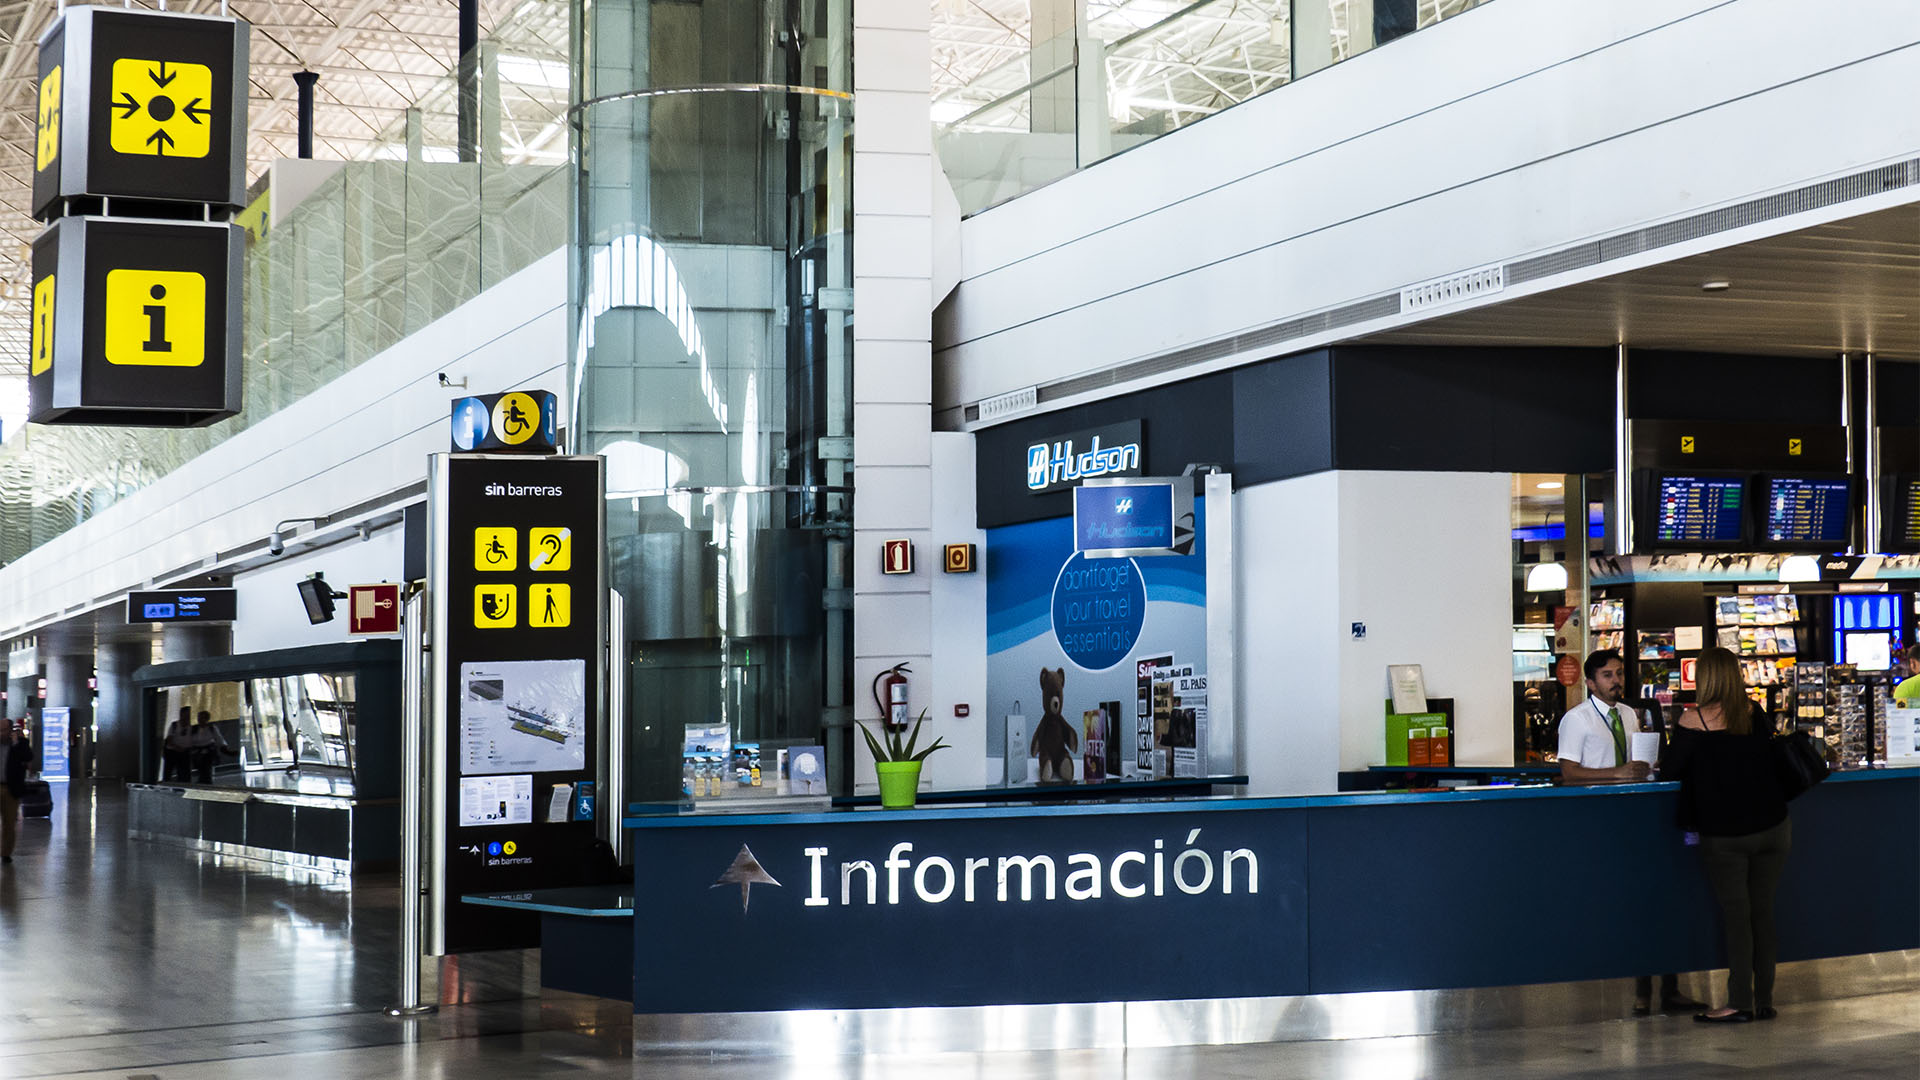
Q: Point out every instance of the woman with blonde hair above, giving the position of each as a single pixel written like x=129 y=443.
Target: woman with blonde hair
x=1731 y=796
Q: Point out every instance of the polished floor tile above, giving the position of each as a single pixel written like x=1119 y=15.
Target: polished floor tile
x=137 y=960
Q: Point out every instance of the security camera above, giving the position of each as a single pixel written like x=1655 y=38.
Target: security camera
x=457 y=384
x=275 y=543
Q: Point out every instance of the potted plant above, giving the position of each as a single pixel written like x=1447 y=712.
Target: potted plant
x=897 y=764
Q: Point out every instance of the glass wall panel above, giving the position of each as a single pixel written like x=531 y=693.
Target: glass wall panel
x=713 y=365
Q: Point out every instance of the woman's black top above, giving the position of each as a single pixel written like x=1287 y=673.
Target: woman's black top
x=1728 y=786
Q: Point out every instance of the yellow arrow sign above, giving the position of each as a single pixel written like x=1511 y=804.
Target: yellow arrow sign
x=161 y=108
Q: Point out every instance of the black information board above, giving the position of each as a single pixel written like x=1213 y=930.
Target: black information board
x=1699 y=509
x=1903 y=515
x=182 y=605
x=1807 y=511
x=519 y=613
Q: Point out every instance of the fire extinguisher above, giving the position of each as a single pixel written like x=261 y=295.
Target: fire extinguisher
x=890 y=696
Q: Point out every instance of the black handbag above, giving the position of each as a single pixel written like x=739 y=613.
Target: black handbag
x=1800 y=761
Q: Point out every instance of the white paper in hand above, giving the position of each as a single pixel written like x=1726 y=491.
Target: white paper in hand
x=1645 y=746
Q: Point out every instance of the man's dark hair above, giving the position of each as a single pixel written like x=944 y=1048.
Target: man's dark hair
x=1913 y=653
x=205 y=716
x=1601 y=658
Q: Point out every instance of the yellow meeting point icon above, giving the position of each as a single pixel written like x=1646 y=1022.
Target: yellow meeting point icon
x=42 y=335
x=493 y=607
x=550 y=606
x=494 y=549
x=156 y=318
x=47 y=128
x=550 y=549
x=161 y=108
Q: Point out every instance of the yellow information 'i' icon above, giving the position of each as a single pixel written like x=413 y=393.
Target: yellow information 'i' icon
x=494 y=549
x=493 y=607
x=516 y=417
x=550 y=606
x=161 y=108
x=47 y=146
x=550 y=549
x=156 y=318
x=42 y=325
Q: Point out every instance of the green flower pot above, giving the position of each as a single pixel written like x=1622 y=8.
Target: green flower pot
x=899 y=783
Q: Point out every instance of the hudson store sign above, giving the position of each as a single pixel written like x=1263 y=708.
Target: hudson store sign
x=1065 y=460
x=913 y=909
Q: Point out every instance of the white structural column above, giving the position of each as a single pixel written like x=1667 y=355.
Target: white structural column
x=892 y=346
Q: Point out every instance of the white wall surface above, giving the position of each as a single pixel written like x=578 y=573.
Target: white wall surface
x=1287 y=548
x=959 y=662
x=1518 y=127
x=363 y=434
x=268 y=600
x=1423 y=560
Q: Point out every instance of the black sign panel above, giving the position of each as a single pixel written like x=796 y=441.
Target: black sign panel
x=135 y=322
x=142 y=105
x=519 y=602
x=203 y=605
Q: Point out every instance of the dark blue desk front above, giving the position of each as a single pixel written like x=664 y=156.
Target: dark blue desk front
x=1234 y=897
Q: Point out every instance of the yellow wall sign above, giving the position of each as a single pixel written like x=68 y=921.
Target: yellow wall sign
x=42 y=325
x=550 y=606
x=156 y=318
x=495 y=549
x=161 y=108
x=550 y=549
x=47 y=128
x=493 y=607
x=1795 y=447
x=1686 y=444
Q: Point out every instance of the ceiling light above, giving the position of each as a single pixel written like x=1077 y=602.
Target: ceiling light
x=1547 y=577
x=1550 y=485
x=1716 y=285
x=1800 y=568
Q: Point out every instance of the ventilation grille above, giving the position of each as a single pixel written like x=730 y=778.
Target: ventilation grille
x=994 y=408
x=1453 y=288
x=1484 y=281
x=1379 y=307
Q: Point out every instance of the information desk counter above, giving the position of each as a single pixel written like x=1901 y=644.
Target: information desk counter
x=1231 y=897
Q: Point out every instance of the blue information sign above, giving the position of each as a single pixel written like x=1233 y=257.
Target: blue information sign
x=55 y=724
x=1151 y=517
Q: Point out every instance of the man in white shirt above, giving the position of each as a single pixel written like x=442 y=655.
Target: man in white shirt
x=1594 y=736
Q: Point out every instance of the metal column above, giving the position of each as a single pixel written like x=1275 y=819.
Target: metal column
x=1622 y=458
x=412 y=805
x=1871 y=541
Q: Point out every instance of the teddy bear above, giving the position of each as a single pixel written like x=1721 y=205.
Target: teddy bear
x=1054 y=740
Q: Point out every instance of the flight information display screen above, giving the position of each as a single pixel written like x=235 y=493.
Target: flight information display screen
x=1808 y=511
x=1700 y=509
x=1906 y=516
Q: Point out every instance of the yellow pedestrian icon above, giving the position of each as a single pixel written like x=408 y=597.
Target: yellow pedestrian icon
x=550 y=606
x=516 y=417
x=493 y=607
x=48 y=127
x=161 y=108
x=42 y=325
x=494 y=549
x=550 y=549
x=156 y=318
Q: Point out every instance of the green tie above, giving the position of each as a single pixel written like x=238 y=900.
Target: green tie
x=1619 y=737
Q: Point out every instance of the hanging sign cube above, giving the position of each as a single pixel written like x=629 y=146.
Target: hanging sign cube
x=135 y=322
x=140 y=105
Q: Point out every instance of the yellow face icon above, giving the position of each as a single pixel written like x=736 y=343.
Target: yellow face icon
x=42 y=324
x=161 y=108
x=516 y=417
x=156 y=318
x=494 y=549
x=550 y=606
x=493 y=607
x=47 y=128
x=550 y=549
